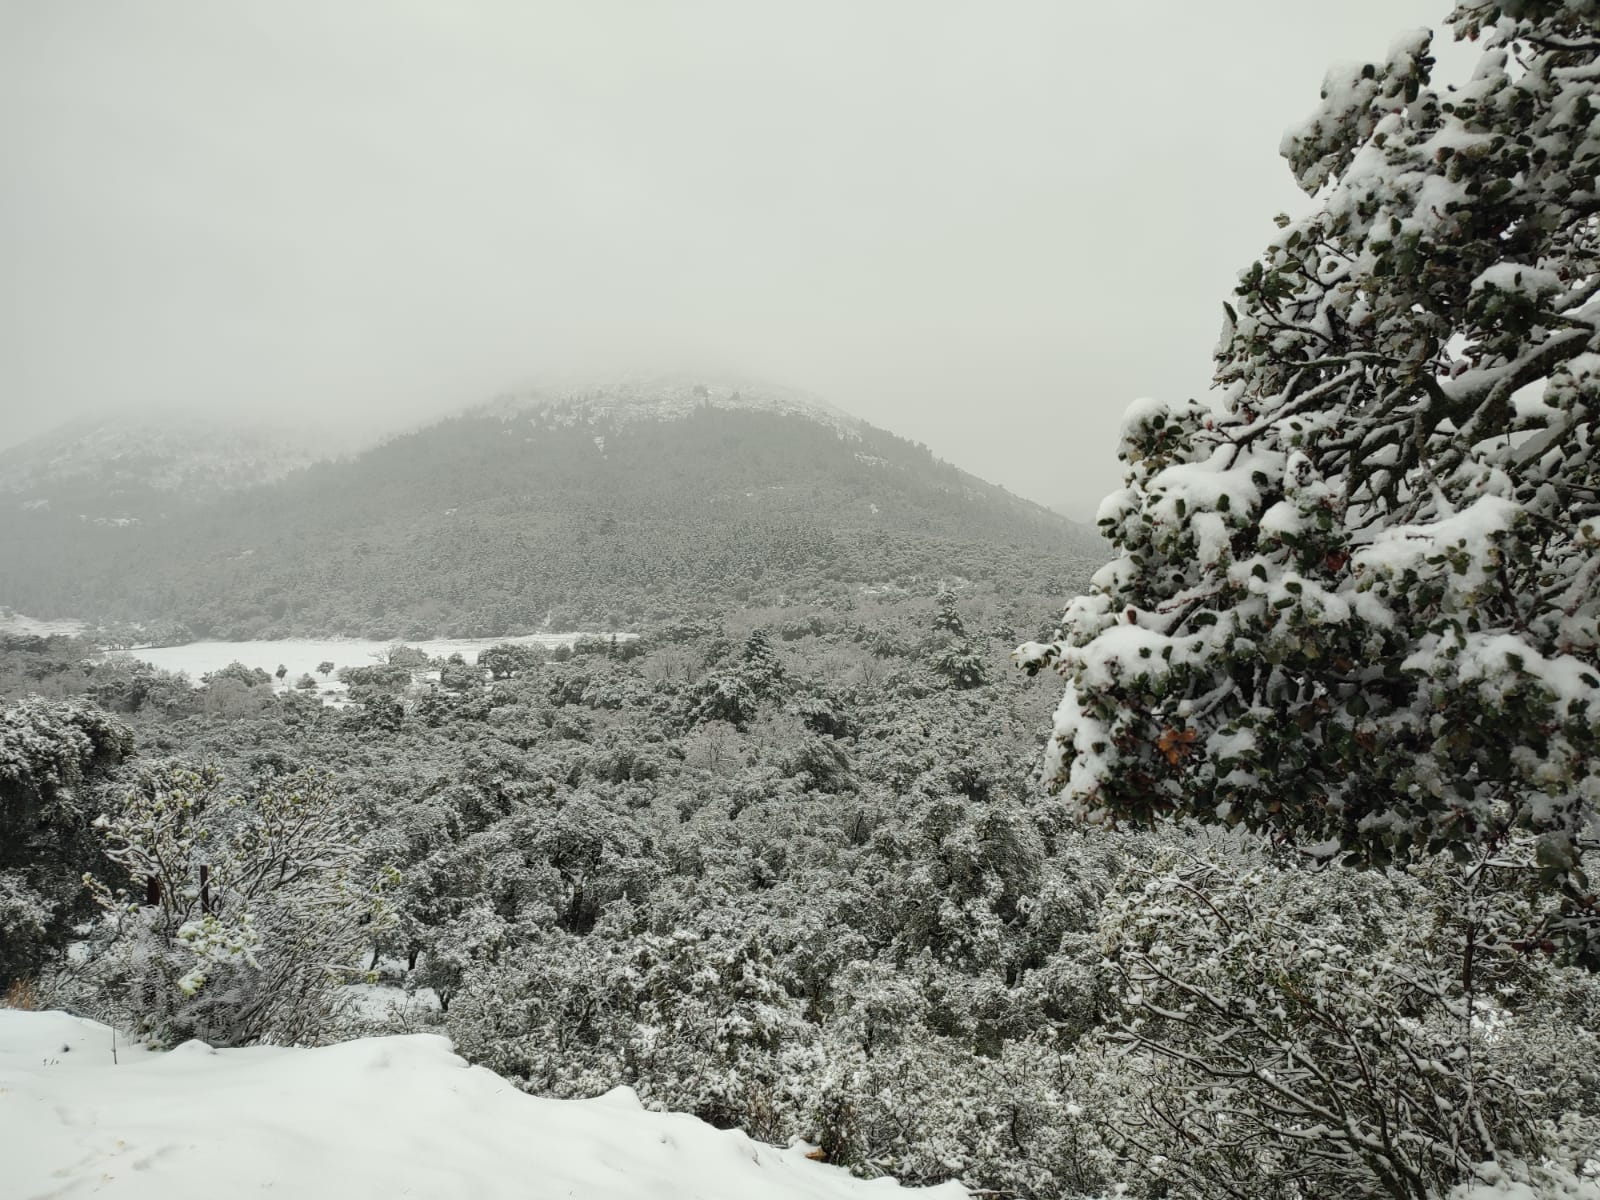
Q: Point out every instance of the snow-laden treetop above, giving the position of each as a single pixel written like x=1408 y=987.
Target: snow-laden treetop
x=1356 y=604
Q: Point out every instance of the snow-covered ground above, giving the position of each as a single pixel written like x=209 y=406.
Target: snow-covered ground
x=375 y=1006
x=378 y=1117
x=303 y=655
x=36 y=627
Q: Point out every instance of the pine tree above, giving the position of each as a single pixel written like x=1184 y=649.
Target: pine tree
x=1356 y=605
x=956 y=658
x=947 y=616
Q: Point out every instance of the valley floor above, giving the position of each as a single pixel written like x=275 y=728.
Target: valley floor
x=379 y=1117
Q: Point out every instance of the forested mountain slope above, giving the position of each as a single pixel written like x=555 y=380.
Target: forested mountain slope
x=600 y=508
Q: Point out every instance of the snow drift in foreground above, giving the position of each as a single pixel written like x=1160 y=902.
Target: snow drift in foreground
x=377 y=1117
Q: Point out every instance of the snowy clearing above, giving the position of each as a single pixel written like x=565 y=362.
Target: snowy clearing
x=18 y=623
x=376 y=1117
x=302 y=655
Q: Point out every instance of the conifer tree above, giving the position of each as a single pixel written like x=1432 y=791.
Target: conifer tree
x=1355 y=604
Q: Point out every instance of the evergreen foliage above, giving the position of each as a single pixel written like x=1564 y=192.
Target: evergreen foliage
x=1356 y=605
x=852 y=919
x=52 y=755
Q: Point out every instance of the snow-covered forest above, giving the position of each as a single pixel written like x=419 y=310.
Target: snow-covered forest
x=1264 y=870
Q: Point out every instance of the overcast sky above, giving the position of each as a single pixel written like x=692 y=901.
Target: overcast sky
x=986 y=226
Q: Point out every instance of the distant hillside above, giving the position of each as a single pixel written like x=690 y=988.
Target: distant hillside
x=124 y=469
x=1087 y=534
x=607 y=507
x=628 y=400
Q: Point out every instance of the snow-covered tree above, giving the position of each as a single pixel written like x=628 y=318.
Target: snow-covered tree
x=955 y=656
x=236 y=672
x=242 y=914
x=1355 y=605
x=51 y=755
x=946 y=615
x=509 y=659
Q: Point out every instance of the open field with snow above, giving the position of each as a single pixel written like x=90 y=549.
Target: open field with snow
x=378 y=1117
x=303 y=655
x=18 y=623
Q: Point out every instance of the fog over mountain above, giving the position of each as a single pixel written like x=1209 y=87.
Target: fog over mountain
x=572 y=508
x=963 y=226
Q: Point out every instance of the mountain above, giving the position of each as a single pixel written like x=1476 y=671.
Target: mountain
x=605 y=506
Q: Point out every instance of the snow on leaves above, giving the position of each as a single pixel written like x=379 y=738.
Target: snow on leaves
x=1356 y=605
x=244 y=913
x=1352 y=1034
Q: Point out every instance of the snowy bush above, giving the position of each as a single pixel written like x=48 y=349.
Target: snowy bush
x=1354 y=1034
x=241 y=914
x=52 y=756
